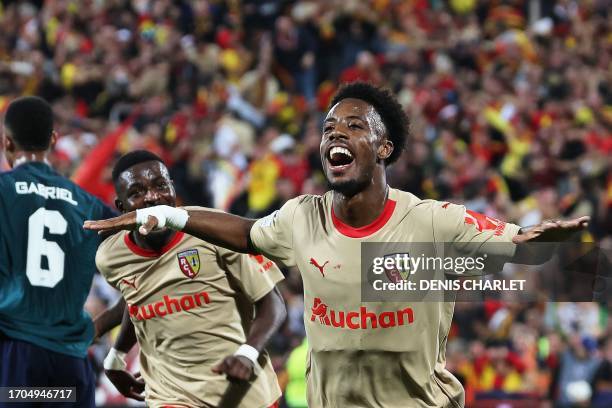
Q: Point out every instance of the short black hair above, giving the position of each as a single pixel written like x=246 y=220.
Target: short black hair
x=131 y=159
x=384 y=102
x=30 y=121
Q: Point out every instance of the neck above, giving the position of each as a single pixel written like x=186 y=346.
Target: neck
x=22 y=157
x=154 y=241
x=364 y=207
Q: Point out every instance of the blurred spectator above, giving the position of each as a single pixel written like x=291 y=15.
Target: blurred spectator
x=295 y=55
x=295 y=391
x=602 y=381
x=578 y=366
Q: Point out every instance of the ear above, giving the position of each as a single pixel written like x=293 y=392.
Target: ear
x=119 y=204
x=53 y=140
x=385 y=149
x=9 y=143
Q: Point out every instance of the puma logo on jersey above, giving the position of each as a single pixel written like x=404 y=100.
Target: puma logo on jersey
x=132 y=283
x=363 y=319
x=319 y=267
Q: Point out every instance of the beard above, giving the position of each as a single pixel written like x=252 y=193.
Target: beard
x=158 y=238
x=349 y=188
x=361 y=181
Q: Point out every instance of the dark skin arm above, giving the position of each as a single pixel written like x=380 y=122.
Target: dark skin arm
x=127 y=336
x=226 y=230
x=109 y=319
x=530 y=241
x=219 y=228
x=232 y=232
x=130 y=386
x=270 y=313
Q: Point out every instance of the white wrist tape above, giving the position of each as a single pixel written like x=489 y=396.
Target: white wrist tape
x=252 y=354
x=115 y=360
x=171 y=217
x=249 y=352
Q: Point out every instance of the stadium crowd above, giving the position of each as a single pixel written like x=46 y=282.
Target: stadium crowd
x=510 y=103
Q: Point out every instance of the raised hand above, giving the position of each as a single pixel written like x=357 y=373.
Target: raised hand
x=531 y=248
x=148 y=219
x=552 y=230
x=125 y=221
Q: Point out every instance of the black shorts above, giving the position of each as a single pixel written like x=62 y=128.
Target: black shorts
x=23 y=364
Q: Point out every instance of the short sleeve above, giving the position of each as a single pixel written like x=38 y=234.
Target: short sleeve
x=256 y=274
x=273 y=235
x=469 y=233
x=102 y=263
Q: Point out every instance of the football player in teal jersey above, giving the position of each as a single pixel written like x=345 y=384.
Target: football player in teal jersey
x=47 y=261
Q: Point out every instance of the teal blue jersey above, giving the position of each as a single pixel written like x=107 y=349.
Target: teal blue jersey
x=47 y=259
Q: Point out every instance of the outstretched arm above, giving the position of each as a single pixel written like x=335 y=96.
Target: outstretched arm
x=226 y=230
x=223 y=229
x=530 y=242
x=270 y=313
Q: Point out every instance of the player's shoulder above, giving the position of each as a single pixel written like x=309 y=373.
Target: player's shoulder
x=109 y=247
x=5 y=180
x=7 y=183
x=404 y=198
x=445 y=207
x=310 y=200
x=410 y=203
x=91 y=204
x=7 y=175
x=12 y=175
x=426 y=209
x=82 y=196
x=304 y=199
x=33 y=174
x=307 y=205
x=303 y=203
x=114 y=258
x=114 y=241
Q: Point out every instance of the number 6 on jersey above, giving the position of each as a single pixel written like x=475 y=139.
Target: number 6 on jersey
x=38 y=247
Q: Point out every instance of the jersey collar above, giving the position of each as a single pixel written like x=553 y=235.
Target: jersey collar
x=366 y=230
x=38 y=164
x=149 y=253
